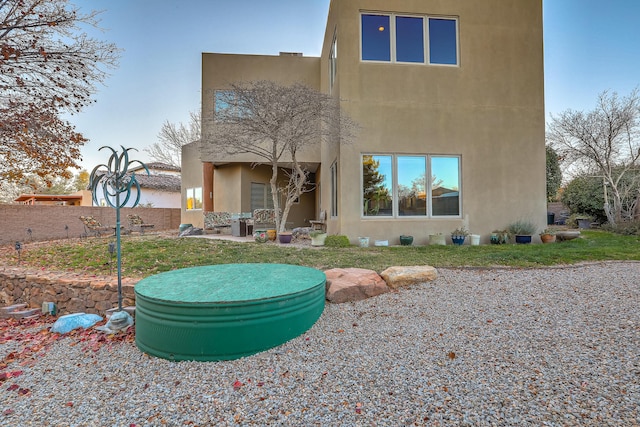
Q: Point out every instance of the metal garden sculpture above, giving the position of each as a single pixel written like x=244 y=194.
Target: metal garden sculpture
x=116 y=183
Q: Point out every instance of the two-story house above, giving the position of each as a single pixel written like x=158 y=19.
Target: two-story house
x=449 y=99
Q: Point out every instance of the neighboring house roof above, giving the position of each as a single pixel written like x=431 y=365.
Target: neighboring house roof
x=157 y=166
x=159 y=182
x=30 y=199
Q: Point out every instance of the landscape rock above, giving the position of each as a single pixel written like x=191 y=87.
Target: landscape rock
x=396 y=277
x=191 y=231
x=353 y=284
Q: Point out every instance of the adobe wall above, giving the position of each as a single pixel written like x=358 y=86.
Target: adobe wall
x=71 y=292
x=61 y=222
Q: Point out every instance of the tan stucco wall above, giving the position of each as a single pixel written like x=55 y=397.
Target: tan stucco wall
x=489 y=110
x=219 y=71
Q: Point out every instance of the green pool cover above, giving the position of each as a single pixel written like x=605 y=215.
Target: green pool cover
x=228 y=311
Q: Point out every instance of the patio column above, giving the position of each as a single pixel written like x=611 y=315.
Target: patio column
x=207 y=186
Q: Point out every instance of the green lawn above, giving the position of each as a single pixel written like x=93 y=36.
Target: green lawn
x=146 y=255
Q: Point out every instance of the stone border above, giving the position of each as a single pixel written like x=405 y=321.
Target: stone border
x=71 y=292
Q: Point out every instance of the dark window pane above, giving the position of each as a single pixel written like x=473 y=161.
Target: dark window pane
x=376 y=40
x=442 y=41
x=409 y=39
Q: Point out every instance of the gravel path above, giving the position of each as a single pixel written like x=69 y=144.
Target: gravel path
x=500 y=347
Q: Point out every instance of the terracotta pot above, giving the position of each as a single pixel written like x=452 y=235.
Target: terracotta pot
x=548 y=238
x=272 y=234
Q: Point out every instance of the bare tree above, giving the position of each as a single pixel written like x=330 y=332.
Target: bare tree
x=48 y=66
x=274 y=123
x=171 y=139
x=604 y=142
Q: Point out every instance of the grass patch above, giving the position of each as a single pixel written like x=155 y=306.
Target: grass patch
x=146 y=255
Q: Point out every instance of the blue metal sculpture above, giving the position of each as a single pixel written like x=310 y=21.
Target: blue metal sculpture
x=116 y=183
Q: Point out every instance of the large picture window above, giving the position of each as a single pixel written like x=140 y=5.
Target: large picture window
x=194 y=198
x=409 y=39
x=410 y=186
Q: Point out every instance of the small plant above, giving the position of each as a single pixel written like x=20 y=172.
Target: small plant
x=499 y=237
x=337 y=241
x=316 y=233
x=548 y=231
x=522 y=228
x=462 y=232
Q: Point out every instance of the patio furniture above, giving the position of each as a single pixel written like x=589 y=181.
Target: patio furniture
x=321 y=222
x=93 y=227
x=137 y=224
x=216 y=221
x=264 y=219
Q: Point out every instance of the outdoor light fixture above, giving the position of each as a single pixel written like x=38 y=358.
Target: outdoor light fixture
x=18 y=249
x=380 y=28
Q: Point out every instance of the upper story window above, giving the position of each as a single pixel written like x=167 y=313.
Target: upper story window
x=409 y=39
x=333 y=61
x=221 y=100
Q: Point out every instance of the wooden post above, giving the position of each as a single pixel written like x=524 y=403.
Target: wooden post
x=207 y=186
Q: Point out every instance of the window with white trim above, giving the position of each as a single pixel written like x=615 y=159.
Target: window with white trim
x=395 y=185
x=409 y=39
x=194 y=198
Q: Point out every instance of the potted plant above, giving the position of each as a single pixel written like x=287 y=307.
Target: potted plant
x=458 y=235
x=437 y=239
x=406 y=240
x=548 y=235
x=317 y=237
x=523 y=230
x=499 y=237
x=285 y=237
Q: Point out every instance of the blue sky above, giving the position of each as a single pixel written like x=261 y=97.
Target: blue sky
x=590 y=46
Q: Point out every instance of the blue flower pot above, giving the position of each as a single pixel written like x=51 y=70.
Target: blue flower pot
x=457 y=240
x=523 y=239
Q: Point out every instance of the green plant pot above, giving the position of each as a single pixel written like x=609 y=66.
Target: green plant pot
x=260 y=236
x=406 y=240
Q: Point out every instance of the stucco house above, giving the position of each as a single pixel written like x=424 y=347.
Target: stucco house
x=449 y=97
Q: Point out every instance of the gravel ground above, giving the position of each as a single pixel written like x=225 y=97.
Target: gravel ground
x=476 y=347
